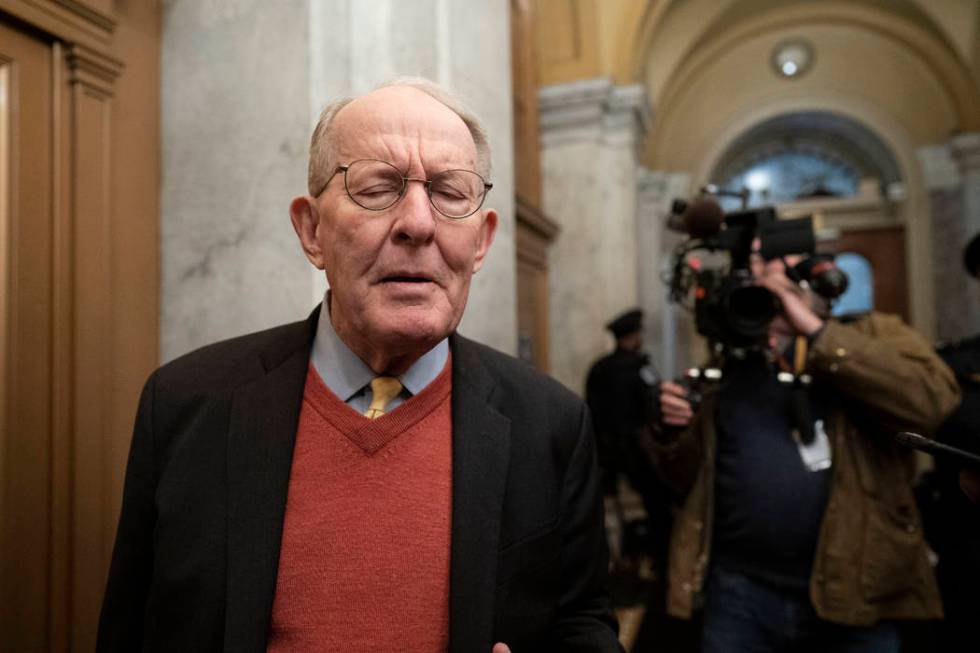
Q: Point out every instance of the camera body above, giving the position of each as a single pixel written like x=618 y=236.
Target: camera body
x=731 y=310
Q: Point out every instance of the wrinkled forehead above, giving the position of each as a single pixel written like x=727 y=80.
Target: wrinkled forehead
x=406 y=127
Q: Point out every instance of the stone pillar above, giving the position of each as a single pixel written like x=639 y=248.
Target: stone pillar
x=590 y=131
x=667 y=335
x=243 y=86
x=952 y=174
x=966 y=152
x=234 y=155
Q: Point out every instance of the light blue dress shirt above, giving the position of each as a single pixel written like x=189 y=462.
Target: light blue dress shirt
x=349 y=378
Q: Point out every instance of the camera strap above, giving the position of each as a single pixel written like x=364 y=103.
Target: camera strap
x=799 y=355
x=811 y=438
x=803 y=432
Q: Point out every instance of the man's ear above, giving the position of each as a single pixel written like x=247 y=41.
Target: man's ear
x=487 y=231
x=306 y=221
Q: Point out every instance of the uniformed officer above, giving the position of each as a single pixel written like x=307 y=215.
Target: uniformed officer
x=621 y=392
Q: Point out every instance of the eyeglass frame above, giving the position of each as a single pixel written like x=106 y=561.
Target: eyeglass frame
x=425 y=182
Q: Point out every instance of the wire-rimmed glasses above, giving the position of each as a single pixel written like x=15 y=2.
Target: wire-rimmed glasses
x=377 y=185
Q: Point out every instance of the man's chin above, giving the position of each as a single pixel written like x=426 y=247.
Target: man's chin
x=413 y=328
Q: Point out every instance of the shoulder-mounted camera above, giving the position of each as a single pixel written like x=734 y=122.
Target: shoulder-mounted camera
x=711 y=272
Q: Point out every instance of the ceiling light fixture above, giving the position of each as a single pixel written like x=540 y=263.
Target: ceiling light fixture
x=792 y=58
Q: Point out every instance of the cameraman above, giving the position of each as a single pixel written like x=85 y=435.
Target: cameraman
x=813 y=546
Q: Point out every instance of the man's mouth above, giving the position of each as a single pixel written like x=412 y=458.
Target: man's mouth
x=406 y=278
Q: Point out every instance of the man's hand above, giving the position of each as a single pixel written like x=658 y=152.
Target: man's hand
x=500 y=648
x=798 y=315
x=969 y=483
x=675 y=409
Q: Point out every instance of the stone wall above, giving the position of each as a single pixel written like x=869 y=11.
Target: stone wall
x=590 y=130
x=952 y=174
x=243 y=84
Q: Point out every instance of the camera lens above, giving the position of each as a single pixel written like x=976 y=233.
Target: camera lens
x=750 y=310
x=830 y=283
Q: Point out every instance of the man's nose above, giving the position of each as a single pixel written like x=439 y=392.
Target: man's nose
x=416 y=219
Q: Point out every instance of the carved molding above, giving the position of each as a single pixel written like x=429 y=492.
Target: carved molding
x=89 y=14
x=531 y=217
x=628 y=112
x=94 y=70
x=572 y=112
x=966 y=152
x=939 y=167
x=593 y=110
x=71 y=21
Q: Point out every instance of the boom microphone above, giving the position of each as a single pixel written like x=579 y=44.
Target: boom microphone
x=703 y=217
x=933 y=448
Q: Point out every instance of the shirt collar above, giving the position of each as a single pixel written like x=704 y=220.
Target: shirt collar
x=346 y=374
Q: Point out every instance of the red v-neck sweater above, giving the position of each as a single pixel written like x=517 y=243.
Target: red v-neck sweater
x=364 y=564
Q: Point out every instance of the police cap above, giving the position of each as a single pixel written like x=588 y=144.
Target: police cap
x=629 y=322
x=971 y=256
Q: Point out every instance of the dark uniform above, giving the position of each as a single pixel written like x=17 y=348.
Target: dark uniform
x=620 y=391
x=953 y=521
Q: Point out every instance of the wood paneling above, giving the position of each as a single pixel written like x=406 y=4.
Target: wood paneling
x=26 y=433
x=534 y=230
x=5 y=153
x=527 y=148
x=91 y=81
x=534 y=234
x=70 y=21
x=135 y=204
x=80 y=294
x=885 y=251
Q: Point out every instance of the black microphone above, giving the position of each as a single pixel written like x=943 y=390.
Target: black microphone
x=933 y=448
x=703 y=217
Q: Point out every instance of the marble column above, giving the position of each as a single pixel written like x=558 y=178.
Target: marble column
x=666 y=329
x=234 y=141
x=952 y=175
x=590 y=132
x=966 y=152
x=243 y=85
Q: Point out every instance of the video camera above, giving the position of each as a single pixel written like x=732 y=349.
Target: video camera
x=730 y=309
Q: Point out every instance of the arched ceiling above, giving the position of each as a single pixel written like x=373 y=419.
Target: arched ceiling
x=879 y=68
x=633 y=41
x=673 y=29
x=824 y=132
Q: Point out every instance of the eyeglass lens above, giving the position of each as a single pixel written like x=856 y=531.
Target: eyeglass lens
x=377 y=185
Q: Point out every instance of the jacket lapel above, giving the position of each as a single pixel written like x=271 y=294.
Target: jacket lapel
x=481 y=446
x=261 y=436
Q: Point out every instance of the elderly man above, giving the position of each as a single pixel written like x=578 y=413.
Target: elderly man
x=366 y=480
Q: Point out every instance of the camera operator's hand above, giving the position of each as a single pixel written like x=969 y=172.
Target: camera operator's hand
x=970 y=484
x=799 y=316
x=675 y=409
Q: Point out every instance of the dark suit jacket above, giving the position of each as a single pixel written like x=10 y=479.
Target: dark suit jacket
x=197 y=550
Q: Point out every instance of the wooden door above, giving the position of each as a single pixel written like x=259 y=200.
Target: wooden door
x=534 y=231
x=884 y=250
x=26 y=416
x=78 y=296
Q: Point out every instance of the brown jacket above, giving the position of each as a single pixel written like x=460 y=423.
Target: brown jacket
x=871 y=559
